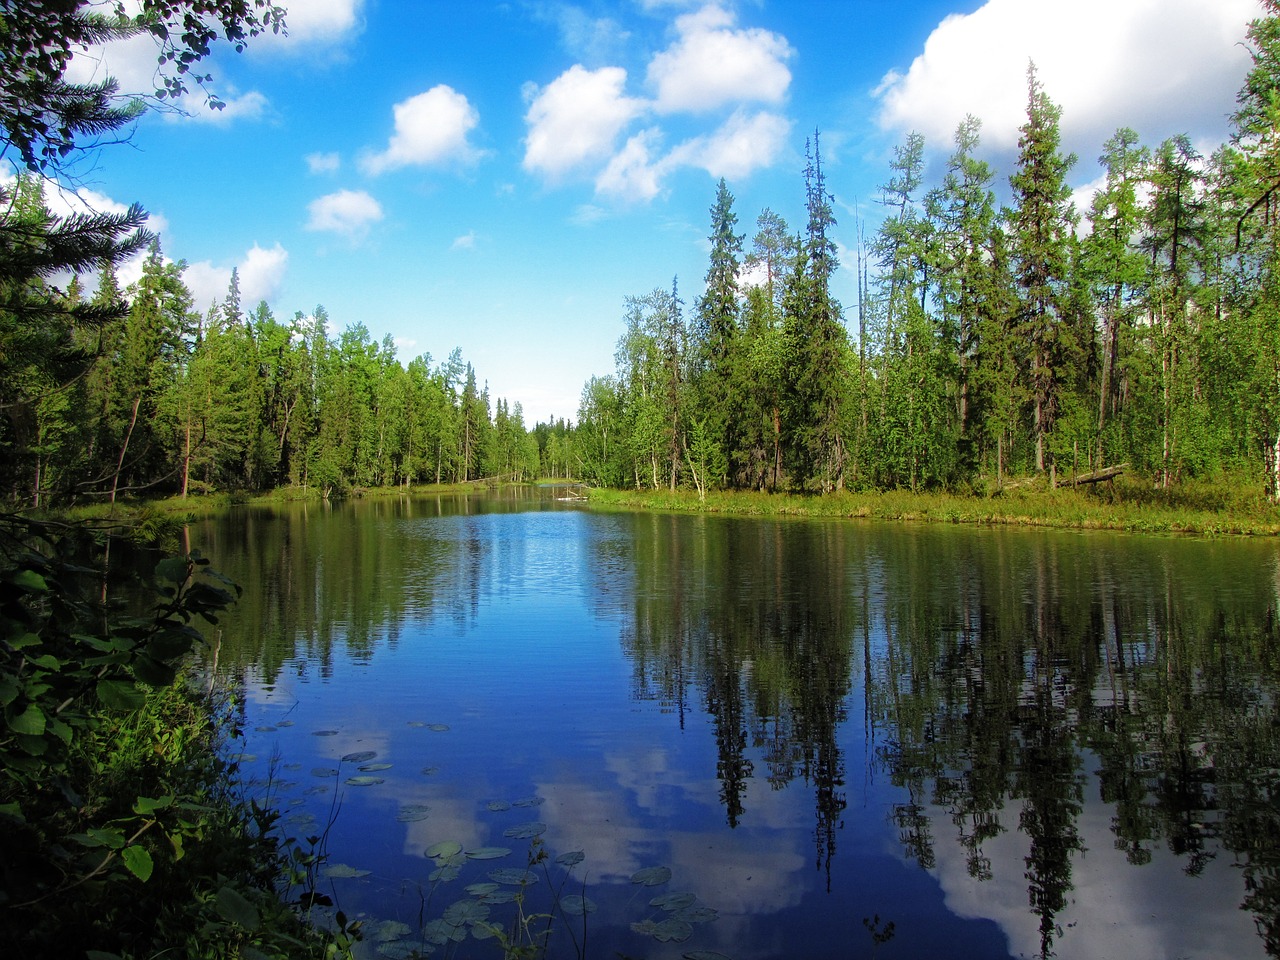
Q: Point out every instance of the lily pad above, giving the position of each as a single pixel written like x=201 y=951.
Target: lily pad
x=405 y=949
x=364 y=781
x=323 y=772
x=481 y=889
x=417 y=723
x=485 y=931
x=529 y=802
x=324 y=733
x=413 y=812
x=523 y=831
x=571 y=859
x=466 y=911
x=292 y=767
x=500 y=896
x=488 y=853
x=439 y=727
x=445 y=848
x=360 y=756
x=285 y=723
x=674 y=901
x=430 y=771
x=372 y=767
x=385 y=930
x=704 y=955
x=651 y=876
x=576 y=906
x=672 y=930
x=440 y=932
x=265 y=729
x=316 y=790
x=340 y=871
x=497 y=806
x=696 y=914
x=509 y=875
x=443 y=874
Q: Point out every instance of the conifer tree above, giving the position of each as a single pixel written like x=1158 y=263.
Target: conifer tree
x=1041 y=222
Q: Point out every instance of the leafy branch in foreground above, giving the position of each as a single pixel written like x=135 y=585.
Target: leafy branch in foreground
x=122 y=831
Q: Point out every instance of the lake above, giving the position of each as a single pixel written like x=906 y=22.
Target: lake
x=697 y=736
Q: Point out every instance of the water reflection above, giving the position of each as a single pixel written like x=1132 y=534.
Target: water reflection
x=813 y=724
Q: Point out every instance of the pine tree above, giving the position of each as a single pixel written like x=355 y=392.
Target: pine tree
x=1041 y=223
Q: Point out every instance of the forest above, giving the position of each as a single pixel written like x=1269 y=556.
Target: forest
x=988 y=342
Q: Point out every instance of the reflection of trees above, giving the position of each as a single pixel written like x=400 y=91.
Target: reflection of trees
x=754 y=619
x=1006 y=659
x=322 y=578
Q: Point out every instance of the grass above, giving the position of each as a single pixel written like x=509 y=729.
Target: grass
x=1224 y=507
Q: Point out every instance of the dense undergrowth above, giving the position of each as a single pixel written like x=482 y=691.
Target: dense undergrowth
x=121 y=829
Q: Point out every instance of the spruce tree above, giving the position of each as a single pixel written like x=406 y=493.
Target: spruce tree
x=1041 y=223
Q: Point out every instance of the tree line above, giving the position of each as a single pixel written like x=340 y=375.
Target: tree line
x=987 y=341
x=164 y=399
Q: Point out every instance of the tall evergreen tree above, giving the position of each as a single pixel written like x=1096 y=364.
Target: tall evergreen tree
x=1041 y=222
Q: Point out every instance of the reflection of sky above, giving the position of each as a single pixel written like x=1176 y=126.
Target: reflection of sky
x=536 y=695
x=535 y=689
x=1115 y=910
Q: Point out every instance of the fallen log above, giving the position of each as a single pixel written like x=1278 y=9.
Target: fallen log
x=1096 y=476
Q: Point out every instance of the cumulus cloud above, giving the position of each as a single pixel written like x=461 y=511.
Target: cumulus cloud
x=576 y=119
x=322 y=21
x=1160 y=66
x=713 y=63
x=743 y=143
x=632 y=174
x=348 y=212
x=261 y=273
x=430 y=128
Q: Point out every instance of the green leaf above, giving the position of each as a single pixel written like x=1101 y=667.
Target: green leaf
x=24 y=641
x=120 y=695
x=233 y=907
x=341 y=871
x=523 y=831
x=651 y=876
x=138 y=860
x=30 y=722
x=488 y=853
x=9 y=691
x=30 y=580
x=173 y=570
x=576 y=906
x=105 y=837
x=445 y=848
x=146 y=805
x=13 y=811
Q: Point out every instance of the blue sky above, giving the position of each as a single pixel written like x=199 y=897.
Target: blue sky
x=498 y=176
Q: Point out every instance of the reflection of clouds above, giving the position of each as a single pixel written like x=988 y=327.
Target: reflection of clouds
x=1115 y=909
x=742 y=872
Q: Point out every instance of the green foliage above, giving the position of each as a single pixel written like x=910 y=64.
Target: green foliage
x=121 y=830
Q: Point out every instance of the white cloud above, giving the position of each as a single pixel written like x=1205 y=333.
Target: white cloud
x=743 y=144
x=248 y=106
x=323 y=162
x=261 y=275
x=1160 y=66
x=576 y=119
x=322 y=21
x=712 y=63
x=430 y=128
x=587 y=38
x=348 y=212
x=465 y=242
x=632 y=174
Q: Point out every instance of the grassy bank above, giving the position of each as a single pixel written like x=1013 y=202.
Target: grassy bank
x=1205 y=509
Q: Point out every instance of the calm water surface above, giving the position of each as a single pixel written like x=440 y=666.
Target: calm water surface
x=840 y=739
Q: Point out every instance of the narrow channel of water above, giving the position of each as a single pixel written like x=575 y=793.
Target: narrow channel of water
x=761 y=738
